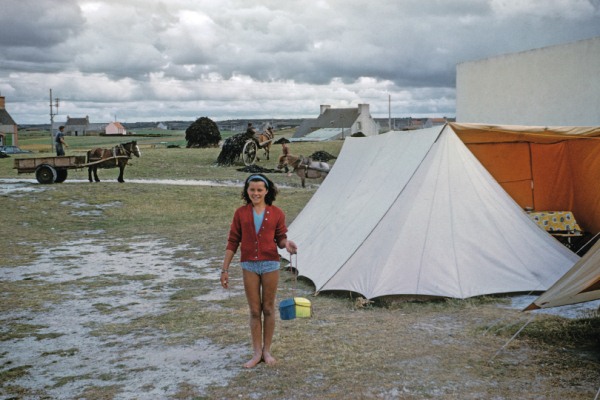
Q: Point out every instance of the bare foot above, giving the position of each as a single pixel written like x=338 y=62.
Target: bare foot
x=269 y=359
x=254 y=361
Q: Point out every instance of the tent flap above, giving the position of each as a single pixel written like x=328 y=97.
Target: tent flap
x=542 y=168
x=578 y=285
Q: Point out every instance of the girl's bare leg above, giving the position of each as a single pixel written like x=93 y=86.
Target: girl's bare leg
x=252 y=289
x=269 y=290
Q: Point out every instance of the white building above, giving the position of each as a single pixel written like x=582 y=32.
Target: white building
x=557 y=85
x=338 y=123
x=115 y=128
x=77 y=126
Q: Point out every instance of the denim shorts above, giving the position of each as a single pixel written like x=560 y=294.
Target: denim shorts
x=260 y=267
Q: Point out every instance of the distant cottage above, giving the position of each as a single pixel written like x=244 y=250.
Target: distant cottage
x=77 y=126
x=115 y=128
x=7 y=125
x=337 y=123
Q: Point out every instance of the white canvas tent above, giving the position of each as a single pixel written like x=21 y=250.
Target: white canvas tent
x=415 y=213
x=580 y=284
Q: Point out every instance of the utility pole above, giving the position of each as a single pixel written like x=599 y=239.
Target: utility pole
x=390 y=111
x=52 y=114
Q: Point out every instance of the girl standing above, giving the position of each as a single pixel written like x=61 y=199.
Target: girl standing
x=259 y=228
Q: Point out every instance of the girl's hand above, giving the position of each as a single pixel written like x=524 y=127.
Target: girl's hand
x=225 y=279
x=291 y=247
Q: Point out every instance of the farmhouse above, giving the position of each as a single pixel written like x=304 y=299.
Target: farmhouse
x=77 y=126
x=7 y=125
x=115 y=128
x=337 y=123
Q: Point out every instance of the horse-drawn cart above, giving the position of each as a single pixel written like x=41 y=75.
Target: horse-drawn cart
x=251 y=147
x=54 y=169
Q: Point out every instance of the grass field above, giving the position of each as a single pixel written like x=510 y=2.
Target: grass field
x=110 y=291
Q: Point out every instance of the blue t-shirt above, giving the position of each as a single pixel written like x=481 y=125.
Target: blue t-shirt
x=258 y=220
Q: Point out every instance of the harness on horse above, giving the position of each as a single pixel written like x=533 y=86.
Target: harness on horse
x=115 y=152
x=308 y=164
x=304 y=163
x=270 y=136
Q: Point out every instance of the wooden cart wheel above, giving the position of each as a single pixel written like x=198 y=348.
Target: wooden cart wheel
x=249 y=152
x=61 y=175
x=45 y=174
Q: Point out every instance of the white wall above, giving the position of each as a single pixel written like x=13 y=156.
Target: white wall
x=368 y=126
x=558 y=85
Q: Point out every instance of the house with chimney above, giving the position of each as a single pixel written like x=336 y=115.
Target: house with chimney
x=8 y=126
x=337 y=123
x=77 y=126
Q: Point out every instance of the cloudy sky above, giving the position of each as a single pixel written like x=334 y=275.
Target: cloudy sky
x=151 y=60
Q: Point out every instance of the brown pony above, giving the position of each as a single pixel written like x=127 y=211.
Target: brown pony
x=264 y=140
x=305 y=167
x=118 y=156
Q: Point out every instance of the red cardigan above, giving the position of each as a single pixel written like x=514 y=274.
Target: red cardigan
x=261 y=246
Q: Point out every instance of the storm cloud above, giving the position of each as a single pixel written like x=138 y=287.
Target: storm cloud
x=181 y=59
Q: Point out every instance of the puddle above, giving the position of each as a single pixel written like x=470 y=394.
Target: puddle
x=108 y=286
x=571 y=311
x=187 y=182
x=92 y=232
x=18 y=187
x=82 y=204
x=97 y=209
x=88 y=257
x=9 y=184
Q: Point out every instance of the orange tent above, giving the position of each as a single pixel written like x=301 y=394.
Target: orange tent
x=542 y=168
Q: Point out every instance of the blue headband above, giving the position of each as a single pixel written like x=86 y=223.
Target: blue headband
x=255 y=177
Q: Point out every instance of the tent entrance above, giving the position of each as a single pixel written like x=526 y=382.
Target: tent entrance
x=542 y=169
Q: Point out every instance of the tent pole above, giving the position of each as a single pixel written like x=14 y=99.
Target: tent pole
x=513 y=337
x=588 y=242
x=531 y=174
x=597 y=394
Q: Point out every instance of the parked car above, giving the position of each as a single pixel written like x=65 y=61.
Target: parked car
x=13 y=150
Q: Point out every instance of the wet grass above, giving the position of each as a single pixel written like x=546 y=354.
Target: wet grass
x=9 y=373
x=19 y=331
x=30 y=295
x=101 y=392
x=61 y=353
x=558 y=331
x=188 y=289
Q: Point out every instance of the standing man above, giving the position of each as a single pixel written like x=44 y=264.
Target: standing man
x=59 y=140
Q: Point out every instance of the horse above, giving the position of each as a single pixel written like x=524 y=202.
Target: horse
x=264 y=140
x=118 y=156
x=305 y=167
